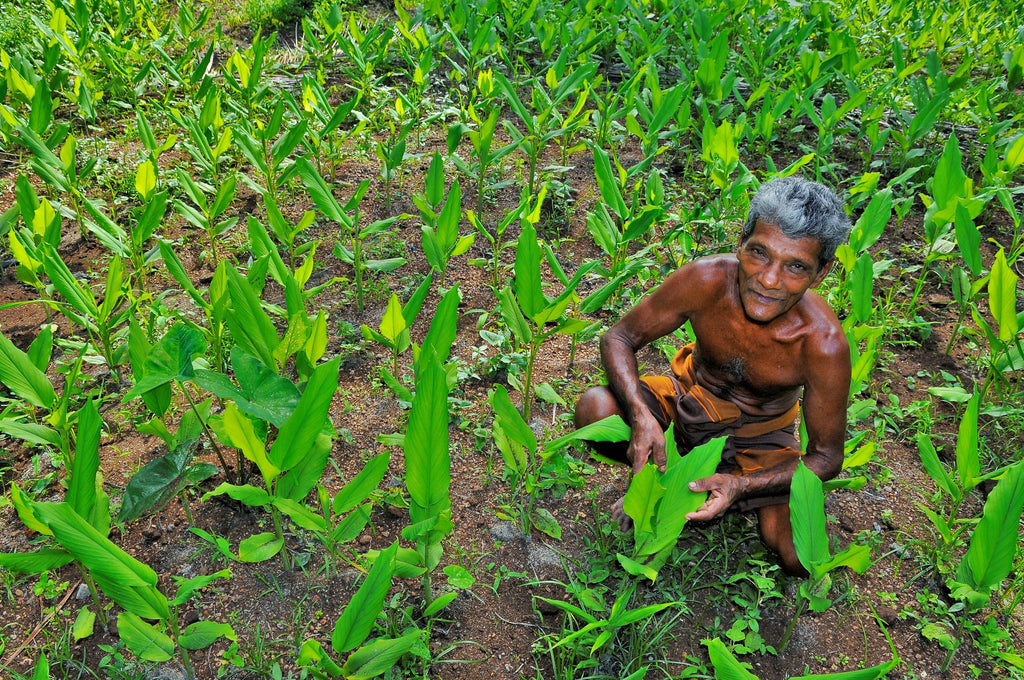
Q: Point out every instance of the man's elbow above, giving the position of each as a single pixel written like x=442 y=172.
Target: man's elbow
x=826 y=464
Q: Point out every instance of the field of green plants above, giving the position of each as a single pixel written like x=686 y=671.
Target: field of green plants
x=298 y=297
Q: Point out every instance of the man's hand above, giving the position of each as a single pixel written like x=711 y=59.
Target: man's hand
x=723 y=491
x=646 y=443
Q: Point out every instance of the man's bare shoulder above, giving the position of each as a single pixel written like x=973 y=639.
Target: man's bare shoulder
x=826 y=341
x=708 y=274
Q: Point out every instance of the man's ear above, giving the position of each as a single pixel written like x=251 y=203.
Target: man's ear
x=822 y=273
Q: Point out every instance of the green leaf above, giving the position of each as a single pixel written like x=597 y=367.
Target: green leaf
x=441 y=335
x=44 y=559
x=378 y=656
x=934 y=467
x=145 y=641
x=439 y=603
x=807 y=513
x=427 y=461
x=861 y=283
x=250 y=326
x=298 y=435
x=358 y=618
x=82 y=485
x=362 y=485
x=727 y=667
x=242 y=435
x=321 y=193
x=872 y=221
x=527 y=272
x=544 y=521
x=23 y=378
x=968 y=238
x=459 y=577
x=202 y=634
x=124 y=579
x=610 y=429
x=145 y=179
x=1002 y=297
x=245 y=493
x=641 y=499
x=996 y=538
x=188 y=587
x=393 y=323
x=260 y=547
x=84 y=624
x=856 y=557
x=512 y=423
x=968 y=465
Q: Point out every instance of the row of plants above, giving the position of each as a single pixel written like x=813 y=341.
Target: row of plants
x=249 y=365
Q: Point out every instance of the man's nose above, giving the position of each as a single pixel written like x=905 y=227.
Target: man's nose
x=770 y=276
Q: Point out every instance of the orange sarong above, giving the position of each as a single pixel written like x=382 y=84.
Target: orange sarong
x=754 y=442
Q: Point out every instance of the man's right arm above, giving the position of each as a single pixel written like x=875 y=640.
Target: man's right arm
x=657 y=315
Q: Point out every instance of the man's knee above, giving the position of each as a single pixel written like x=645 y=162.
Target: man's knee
x=777 y=534
x=596 y=403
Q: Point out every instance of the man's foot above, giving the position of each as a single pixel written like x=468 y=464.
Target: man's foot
x=619 y=516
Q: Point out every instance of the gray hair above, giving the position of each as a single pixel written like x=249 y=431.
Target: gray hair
x=801 y=209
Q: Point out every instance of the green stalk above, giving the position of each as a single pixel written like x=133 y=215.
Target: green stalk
x=183 y=656
x=93 y=591
x=800 y=604
x=209 y=437
x=279 y=533
x=357 y=254
x=528 y=383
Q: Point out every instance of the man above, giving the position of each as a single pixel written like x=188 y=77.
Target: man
x=761 y=336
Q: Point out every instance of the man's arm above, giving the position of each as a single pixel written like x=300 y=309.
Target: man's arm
x=657 y=315
x=824 y=413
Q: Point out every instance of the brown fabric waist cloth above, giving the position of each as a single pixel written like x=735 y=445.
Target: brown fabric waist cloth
x=754 y=442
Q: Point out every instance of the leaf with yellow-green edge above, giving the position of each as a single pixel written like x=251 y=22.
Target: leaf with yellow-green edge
x=242 y=435
x=145 y=641
x=24 y=505
x=1002 y=297
x=145 y=179
x=393 y=322
x=861 y=456
x=356 y=621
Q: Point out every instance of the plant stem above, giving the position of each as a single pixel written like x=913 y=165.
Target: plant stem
x=209 y=436
x=800 y=604
x=93 y=591
x=279 y=532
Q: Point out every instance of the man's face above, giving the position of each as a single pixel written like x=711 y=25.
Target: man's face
x=775 y=271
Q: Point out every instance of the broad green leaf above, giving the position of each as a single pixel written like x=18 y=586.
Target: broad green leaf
x=861 y=283
x=393 y=323
x=298 y=435
x=202 y=634
x=873 y=673
x=610 y=429
x=359 y=616
x=441 y=335
x=312 y=654
x=641 y=498
x=996 y=538
x=427 y=462
x=727 y=667
x=245 y=493
x=1002 y=297
x=968 y=239
x=242 y=435
x=807 y=513
x=512 y=423
x=30 y=432
x=636 y=568
x=968 y=465
x=301 y=515
x=22 y=377
x=84 y=624
x=45 y=559
x=527 y=272
x=321 y=193
x=82 y=485
x=872 y=221
x=250 y=326
x=459 y=577
x=362 y=485
x=544 y=521
x=934 y=467
x=856 y=557
x=145 y=179
x=260 y=547
x=439 y=603
x=187 y=587
x=124 y=579
x=378 y=656
x=145 y=641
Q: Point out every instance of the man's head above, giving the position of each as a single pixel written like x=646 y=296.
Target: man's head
x=801 y=209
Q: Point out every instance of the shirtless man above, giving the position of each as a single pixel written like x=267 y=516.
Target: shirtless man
x=761 y=336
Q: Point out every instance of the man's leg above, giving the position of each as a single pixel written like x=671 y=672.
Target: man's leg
x=777 y=534
x=596 y=404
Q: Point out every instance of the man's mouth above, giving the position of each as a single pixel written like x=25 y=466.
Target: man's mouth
x=766 y=298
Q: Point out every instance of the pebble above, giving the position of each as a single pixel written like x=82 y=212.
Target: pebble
x=82 y=593
x=506 y=532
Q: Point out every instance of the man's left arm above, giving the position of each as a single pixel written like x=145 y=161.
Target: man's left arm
x=824 y=413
